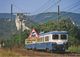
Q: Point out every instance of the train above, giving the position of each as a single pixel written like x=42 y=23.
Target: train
x=50 y=41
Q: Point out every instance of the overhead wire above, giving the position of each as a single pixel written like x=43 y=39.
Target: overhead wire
x=71 y=5
x=51 y=6
x=19 y=10
x=78 y=9
x=74 y=5
x=42 y=7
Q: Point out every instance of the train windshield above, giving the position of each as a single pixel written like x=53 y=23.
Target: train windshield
x=55 y=37
x=63 y=37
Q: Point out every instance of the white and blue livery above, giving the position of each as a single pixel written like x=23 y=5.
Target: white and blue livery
x=50 y=41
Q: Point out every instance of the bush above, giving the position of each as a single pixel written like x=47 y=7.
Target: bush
x=74 y=49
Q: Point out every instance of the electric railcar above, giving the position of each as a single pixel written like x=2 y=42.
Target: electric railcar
x=51 y=41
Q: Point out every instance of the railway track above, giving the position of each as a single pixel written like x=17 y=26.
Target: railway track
x=31 y=53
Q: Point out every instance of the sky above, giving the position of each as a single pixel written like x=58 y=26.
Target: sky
x=39 y=6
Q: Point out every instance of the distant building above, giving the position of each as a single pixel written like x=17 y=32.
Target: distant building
x=18 y=20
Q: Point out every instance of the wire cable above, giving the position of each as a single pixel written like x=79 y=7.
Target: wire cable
x=41 y=7
x=56 y=3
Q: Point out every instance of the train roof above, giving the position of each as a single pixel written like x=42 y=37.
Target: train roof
x=54 y=32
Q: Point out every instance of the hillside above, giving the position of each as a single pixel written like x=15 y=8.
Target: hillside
x=7 y=27
x=43 y=17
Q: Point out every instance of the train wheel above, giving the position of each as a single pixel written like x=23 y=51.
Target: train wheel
x=47 y=50
x=34 y=48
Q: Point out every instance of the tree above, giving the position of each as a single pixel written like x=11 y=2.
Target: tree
x=63 y=25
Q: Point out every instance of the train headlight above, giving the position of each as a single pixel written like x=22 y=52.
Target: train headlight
x=55 y=43
x=65 y=43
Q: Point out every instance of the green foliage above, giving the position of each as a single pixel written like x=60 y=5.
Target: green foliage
x=17 y=39
x=49 y=26
x=62 y=25
x=74 y=49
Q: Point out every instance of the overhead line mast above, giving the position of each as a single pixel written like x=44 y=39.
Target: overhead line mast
x=58 y=18
x=58 y=26
x=11 y=11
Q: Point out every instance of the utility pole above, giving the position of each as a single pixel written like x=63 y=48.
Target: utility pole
x=11 y=11
x=11 y=23
x=11 y=18
x=58 y=16
x=21 y=20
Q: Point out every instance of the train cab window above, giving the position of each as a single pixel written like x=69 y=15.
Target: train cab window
x=55 y=37
x=63 y=37
x=47 y=38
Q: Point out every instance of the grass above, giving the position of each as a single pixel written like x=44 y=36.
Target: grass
x=14 y=53
x=74 y=49
x=8 y=53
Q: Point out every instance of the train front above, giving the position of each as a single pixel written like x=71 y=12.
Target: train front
x=60 y=41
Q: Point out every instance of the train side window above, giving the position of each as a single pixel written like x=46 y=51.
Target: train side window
x=63 y=37
x=39 y=40
x=42 y=39
x=28 y=42
x=47 y=38
x=55 y=37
